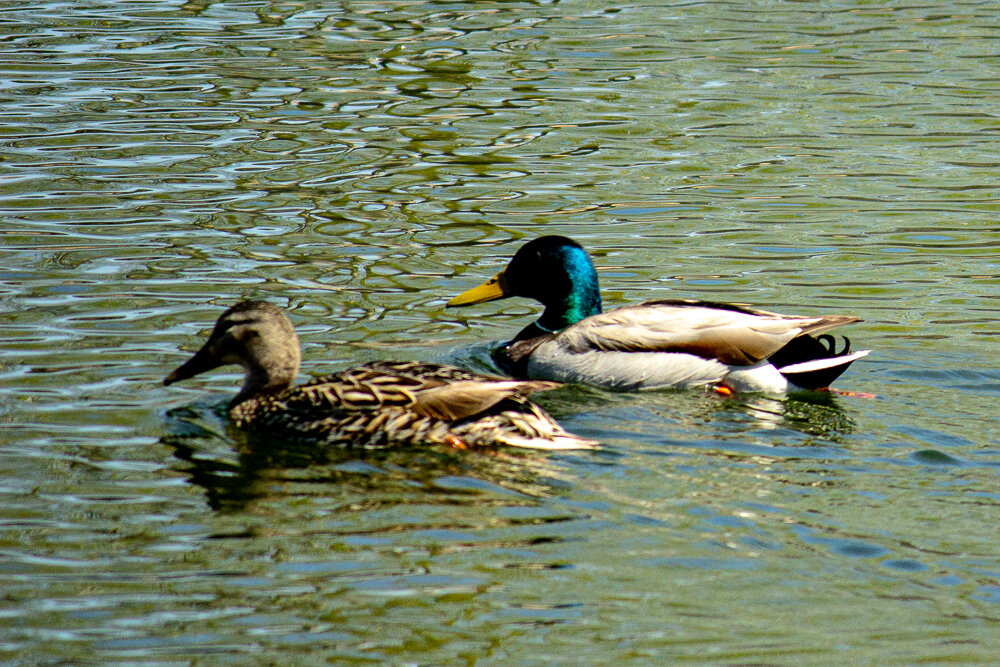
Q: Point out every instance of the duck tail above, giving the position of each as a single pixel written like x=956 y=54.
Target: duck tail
x=814 y=362
x=536 y=429
x=563 y=441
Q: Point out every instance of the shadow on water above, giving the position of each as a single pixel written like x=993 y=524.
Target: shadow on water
x=236 y=469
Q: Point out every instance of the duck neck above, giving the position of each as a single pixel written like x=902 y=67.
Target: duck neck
x=261 y=380
x=583 y=300
x=571 y=310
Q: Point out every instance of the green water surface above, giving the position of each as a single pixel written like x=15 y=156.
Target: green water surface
x=359 y=163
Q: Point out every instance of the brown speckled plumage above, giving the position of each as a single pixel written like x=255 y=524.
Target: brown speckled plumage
x=380 y=404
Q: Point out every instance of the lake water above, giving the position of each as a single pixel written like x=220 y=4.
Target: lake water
x=359 y=164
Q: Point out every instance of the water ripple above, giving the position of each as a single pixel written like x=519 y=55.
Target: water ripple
x=358 y=164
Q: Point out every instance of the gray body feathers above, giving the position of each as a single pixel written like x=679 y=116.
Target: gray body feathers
x=677 y=343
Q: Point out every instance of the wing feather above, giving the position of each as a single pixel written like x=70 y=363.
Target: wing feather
x=462 y=399
x=430 y=390
x=727 y=333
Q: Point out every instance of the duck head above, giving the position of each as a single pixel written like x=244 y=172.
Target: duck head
x=553 y=270
x=256 y=335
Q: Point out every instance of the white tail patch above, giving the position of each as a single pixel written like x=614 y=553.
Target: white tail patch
x=762 y=377
x=826 y=362
x=554 y=442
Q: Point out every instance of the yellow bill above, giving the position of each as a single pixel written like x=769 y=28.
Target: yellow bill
x=494 y=288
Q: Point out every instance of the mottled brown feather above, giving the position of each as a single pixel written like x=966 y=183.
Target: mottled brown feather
x=379 y=404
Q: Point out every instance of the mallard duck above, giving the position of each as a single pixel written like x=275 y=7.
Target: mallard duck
x=378 y=404
x=656 y=344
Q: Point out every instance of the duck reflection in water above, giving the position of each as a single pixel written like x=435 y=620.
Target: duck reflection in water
x=813 y=415
x=237 y=468
x=675 y=417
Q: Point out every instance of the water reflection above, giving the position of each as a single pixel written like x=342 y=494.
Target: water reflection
x=817 y=414
x=237 y=469
x=671 y=417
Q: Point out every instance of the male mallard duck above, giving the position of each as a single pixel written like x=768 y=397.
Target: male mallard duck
x=383 y=403
x=655 y=344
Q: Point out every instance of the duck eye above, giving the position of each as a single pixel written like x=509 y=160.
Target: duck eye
x=245 y=335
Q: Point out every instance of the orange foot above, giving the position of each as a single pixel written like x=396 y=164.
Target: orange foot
x=455 y=442
x=722 y=389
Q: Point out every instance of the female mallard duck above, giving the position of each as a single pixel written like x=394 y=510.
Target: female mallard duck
x=656 y=344
x=378 y=404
